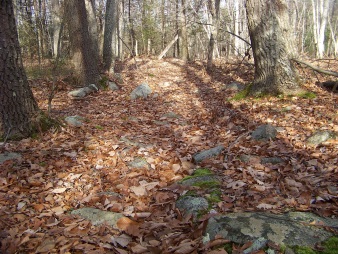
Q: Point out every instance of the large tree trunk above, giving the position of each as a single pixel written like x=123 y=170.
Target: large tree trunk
x=56 y=26
x=184 y=32
x=271 y=45
x=109 y=42
x=83 y=41
x=18 y=109
x=213 y=7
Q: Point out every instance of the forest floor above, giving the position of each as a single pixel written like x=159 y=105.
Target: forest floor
x=62 y=170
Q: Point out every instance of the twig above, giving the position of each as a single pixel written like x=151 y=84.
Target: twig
x=131 y=52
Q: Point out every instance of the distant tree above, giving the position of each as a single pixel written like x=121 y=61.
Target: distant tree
x=109 y=38
x=213 y=7
x=83 y=40
x=18 y=108
x=272 y=48
x=184 y=54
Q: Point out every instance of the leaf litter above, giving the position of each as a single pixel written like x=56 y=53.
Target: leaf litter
x=81 y=167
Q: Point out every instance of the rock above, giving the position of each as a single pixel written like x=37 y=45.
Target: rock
x=234 y=86
x=294 y=228
x=139 y=163
x=319 y=137
x=164 y=84
x=272 y=160
x=97 y=216
x=82 y=92
x=206 y=154
x=112 y=86
x=75 y=121
x=9 y=156
x=142 y=91
x=264 y=132
x=171 y=115
x=191 y=205
x=257 y=245
x=78 y=93
x=118 y=77
x=248 y=158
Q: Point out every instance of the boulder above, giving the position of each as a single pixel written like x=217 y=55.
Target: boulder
x=9 y=156
x=264 y=132
x=82 y=92
x=192 y=205
x=206 y=154
x=75 y=121
x=319 y=137
x=235 y=86
x=112 y=86
x=141 y=91
x=97 y=216
x=294 y=228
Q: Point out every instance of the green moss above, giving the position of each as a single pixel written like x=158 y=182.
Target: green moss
x=228 y=248
x=307 y=95
x=207 y=184
x=99 y=127
x=242 y=94
x=214 y=197
x=331 y=246
x=303 y=250
x=202 y=172
x=103 y=82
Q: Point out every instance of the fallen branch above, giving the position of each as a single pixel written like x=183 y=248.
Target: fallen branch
x=331 y=73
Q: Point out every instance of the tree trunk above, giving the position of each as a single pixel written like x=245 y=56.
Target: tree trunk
x=109 y=43
x=213 y=6
x=184 y=33
x=56 y=25
x=269 y=34
x=18 y=109
x=83 y=44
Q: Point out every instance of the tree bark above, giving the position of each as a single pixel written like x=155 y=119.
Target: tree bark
x=83 y=41
x=213 y=6
x=18 y=108
x=109 y=43
x=271 y=45
x=184 y=33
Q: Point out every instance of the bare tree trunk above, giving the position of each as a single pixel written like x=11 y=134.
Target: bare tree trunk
x=109 y=43
x=184 y=32
x=167 y=47
x=271 y=45
x=120 y=28
x=83 y=44
x=18 y=109
x=56 y=25
x=213 y=6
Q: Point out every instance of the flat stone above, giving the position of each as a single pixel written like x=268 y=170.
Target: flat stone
x=75 y=121
x=139 y=163
x=112 y=86
x=141 y=91
x=319 y=137
x=97 y=216
x=206 y=154
x=192 y=205
x=264 y=132
x=294 y=228
x=9 y=156
x=272 y=160
x=195 y=180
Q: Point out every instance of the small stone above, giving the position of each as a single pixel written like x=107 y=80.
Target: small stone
x=9 y=156
x=142 y=91
x=206 y=154
x=320 y=137
x=75 y=121
x=192 y=205
x=264 y=132
x=112 y=86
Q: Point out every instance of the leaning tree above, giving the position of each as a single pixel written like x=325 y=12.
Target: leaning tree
x=18 y=109
x=272 y=47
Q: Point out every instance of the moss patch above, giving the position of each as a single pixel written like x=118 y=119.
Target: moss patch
x=307 y=95
x=304 y=250
x=331 y=246
x=242 y=94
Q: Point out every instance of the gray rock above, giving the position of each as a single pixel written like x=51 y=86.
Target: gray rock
x=192 y=205
x=234 y=86
x=9 y=156
x=257 y=245
x=272 y=160
x=248 y=158
x=118 y=77
x=206 y=154
x=290 y=229
x=112 y=86
x=319 y=137
x=171 y=115
x=75 y=121
x=82 y=92
x=264 y=132
x=139 y=163
x=142 y=91
x=97 y=216
x=78 y=93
